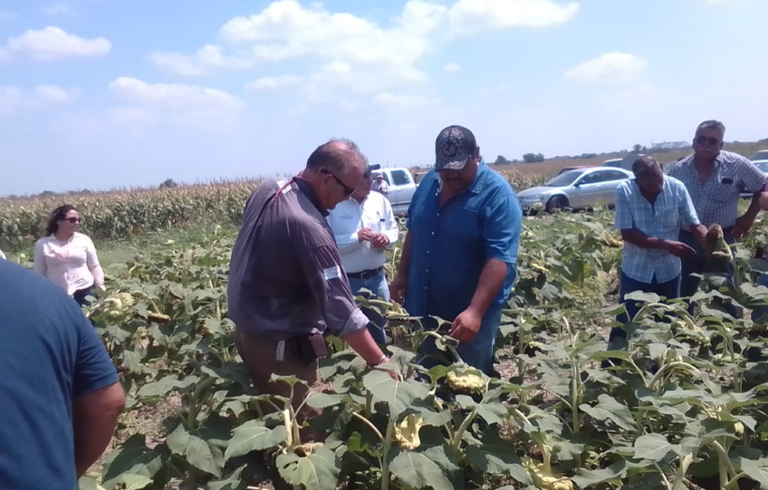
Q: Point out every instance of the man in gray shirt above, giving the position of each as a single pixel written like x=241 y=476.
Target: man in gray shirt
x=287 y=285
x=712 y=177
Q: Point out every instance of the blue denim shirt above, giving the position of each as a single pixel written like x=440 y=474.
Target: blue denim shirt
x=450 y=244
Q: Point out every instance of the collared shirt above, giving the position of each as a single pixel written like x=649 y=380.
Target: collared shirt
x=351 y=216
x=286 y=278
x=73 y=264
x=717 y=200
x=663 y=219
x=451 y=243
x=382 y=188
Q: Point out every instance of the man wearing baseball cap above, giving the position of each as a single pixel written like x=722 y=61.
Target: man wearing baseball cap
x=460 y=253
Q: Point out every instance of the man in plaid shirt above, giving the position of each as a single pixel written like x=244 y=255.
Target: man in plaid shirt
x=712 y=177
x=650 y=210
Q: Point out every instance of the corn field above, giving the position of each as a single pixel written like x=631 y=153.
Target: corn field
x=121 y=214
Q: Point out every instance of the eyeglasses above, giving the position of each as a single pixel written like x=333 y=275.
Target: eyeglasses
x=703 y=140
x=348 y=191
x=73 y=220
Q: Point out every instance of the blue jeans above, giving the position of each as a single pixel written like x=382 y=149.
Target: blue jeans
x=478 y=353
x=669 y=290
x=377 y=284
x=81 y=296
x=760 y=313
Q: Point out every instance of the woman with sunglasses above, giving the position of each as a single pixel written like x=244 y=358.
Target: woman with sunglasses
x=68 y=257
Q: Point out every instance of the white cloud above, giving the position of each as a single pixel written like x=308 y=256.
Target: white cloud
x=270 y=83
x=206 y=60
x=193 y=105
x=14 y=99
x=401 y=102
x=358 y=53
x=610 y=67
x=173 y=96
x=59 y=9
x=451 y=67
x=53 y=43
x=474 y=16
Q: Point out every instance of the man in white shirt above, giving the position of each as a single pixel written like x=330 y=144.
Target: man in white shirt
x=365 y=227
x=381 y=185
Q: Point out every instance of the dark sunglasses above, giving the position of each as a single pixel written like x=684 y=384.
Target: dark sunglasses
x=703 y=140
x=73 y=220
x=347 y=190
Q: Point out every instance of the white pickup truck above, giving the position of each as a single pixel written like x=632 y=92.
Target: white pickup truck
x=402 y=186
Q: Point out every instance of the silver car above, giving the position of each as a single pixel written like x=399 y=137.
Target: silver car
x=577 y=189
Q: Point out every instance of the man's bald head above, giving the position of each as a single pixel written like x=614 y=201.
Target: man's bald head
x=335 y=169
x=338 y=156
x=648 y=174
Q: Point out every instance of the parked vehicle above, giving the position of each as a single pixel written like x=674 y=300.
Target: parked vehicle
x=575 y=167
x=576 y=189
x=761 y=155
x=402 y=186
x=613 y=162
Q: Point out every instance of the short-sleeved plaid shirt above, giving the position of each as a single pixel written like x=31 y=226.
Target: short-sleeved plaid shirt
x=717 y=200
x=663 y=219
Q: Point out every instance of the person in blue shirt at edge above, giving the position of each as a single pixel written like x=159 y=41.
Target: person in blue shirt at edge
x=650 y=210
x=60 y=395
x=460 y=251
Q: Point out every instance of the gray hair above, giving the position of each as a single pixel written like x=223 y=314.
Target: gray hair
x=711 y=124
x=336 y=156
x=645 y=165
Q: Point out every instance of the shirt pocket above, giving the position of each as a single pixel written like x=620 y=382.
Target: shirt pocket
x=463 y=222
x=723 y=193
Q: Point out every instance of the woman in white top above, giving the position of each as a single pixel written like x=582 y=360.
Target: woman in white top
x=67 y=257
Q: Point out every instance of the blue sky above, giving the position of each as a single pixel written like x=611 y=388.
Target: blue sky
x=102 y=93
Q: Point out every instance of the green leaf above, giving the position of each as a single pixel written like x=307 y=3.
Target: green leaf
x=498 y=459
x=319 y=470
x=493 y=412
x=166 y=386
x=653 y=447
x=134 y=457
x=588 y=478
x=254 y=436
x=194 y=449
x=754 y=471
x=422 y=470
x=324 y=400
x=398 y=395
x=135 y=482
x=233 y=482
x=86 y=483
x=609 y=409
x=291 y=380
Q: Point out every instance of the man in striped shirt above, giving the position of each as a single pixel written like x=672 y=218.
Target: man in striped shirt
x=712 y=177
x=651 y=209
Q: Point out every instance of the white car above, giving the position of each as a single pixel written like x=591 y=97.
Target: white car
x=402 y=186
x=576 y=189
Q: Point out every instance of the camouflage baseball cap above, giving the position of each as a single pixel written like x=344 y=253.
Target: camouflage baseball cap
x=453 y=147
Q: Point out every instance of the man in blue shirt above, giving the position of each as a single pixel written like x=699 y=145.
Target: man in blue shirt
x=60 y=395
x=650 y=211
x=459 y=256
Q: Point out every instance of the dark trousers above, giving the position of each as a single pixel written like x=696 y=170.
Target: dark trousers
x=698 y=264
x=669 y=290
x=81 y=296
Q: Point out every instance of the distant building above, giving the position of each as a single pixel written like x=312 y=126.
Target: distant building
x=671 y=146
